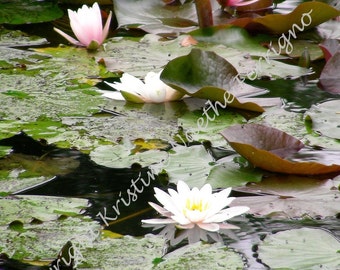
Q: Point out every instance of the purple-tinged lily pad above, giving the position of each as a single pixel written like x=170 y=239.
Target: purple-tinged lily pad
x=270 y=149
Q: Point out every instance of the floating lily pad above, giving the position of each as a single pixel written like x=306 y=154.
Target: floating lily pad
x=300 y=249
x=325 y=118
x=213 y=256
x=196 y=167
x=329 y=78
x=156 y=17
x=123 y=156
x=206 y=125
x=290 y=196
x=305 y=16
x=151 y=53
x=204 y=74
x=26 y=208
x=26 y=11
x=269 y=148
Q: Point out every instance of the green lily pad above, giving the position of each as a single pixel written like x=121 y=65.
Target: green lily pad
x=235 y=37
x=18 y=38
x=156 y=17
x=123 y=156
x=203 y=169
x=206 y=125
x=25 y=208
x=300 y=249
x=204 y=74
x=27 y=11
x=325 y=118
x=151 y=53
x=213 y=256
x=290 y=197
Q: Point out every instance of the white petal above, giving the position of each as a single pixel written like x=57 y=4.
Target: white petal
x=206 y=190
x=195 y=216
x=155 y=88
x=212 y=227
x=186 y=226
x=158 y=221
x=167 y=201
x=227 y=214
x=160 y=209
x=181 y=219
x=112 y=94
x=172 y=94
x=182 y=188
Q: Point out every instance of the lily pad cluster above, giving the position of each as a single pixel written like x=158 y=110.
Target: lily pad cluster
x=224 y=130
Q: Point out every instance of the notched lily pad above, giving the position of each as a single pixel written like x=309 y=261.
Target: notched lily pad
x=204 y=74
x=270 y=149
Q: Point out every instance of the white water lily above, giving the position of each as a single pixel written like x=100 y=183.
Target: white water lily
x=86 y=24
x=152 y=90
x=189 y=207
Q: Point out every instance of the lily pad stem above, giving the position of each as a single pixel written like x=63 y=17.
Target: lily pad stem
x=204 y=13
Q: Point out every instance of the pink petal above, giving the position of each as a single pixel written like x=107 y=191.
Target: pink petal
x=106 y=27
x=69 y=38
x=227 y=226
x=160 y=209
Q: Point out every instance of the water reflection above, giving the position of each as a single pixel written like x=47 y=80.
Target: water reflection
x=175 y=236
x=297 y=95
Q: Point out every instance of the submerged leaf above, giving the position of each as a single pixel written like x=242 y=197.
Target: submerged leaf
x=270 y=149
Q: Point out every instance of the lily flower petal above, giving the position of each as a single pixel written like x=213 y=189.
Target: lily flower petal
x=152 y=90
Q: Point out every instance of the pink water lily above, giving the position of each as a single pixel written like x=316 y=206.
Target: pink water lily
x=86 y=24
x=188 y=208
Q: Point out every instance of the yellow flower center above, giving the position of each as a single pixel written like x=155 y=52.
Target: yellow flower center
x=199 y=205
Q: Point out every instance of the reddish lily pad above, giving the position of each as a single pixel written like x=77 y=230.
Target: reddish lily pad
x=329 y=47
x=305 y=16
x=269 y=148
x=330 y=76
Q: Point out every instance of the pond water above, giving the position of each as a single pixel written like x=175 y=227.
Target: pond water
x=52 y=117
